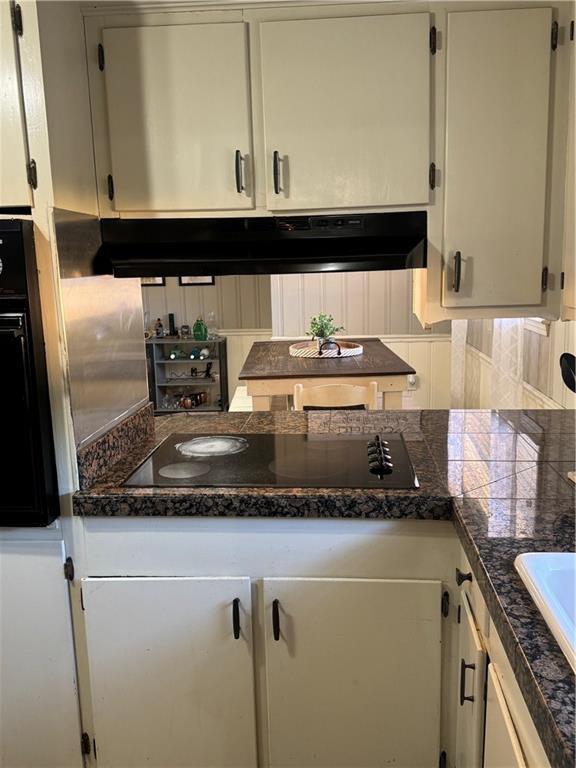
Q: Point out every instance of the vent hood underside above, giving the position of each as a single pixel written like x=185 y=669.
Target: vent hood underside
x=266 y=245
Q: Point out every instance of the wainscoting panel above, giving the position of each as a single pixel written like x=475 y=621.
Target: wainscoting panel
x=238 y=344
x=430 y=357
x=365 y=303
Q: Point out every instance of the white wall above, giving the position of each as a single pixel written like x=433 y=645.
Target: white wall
x=238 y=302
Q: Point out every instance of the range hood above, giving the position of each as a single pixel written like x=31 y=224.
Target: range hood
x=264 y=245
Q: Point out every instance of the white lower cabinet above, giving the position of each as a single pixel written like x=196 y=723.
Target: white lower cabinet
x=353 y=672
x=502 y=748
x=472 y=677
x=171 y=672
x=351 y=675
x=39 y=717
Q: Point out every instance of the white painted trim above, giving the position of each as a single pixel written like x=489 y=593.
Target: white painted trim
x=537 y=325
x=535 y=394
x=267 y=332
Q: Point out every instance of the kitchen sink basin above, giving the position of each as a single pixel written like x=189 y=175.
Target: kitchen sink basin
x=550 y=579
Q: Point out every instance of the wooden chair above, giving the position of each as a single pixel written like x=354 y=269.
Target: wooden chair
x=336 y=396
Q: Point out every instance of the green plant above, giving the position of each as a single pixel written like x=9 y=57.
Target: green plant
x=322 y=327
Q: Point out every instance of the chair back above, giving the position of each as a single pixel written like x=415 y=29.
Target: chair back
x=329 y=396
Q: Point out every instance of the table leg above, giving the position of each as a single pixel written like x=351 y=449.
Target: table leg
x=261 y=402
x=392 y=401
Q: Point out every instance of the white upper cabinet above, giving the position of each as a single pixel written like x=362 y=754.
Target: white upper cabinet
x=171 y=672
x=179 y=117
x=498 y=74
x=346 y=111
x=14 y=189
x=569 y=260
x=353 y=672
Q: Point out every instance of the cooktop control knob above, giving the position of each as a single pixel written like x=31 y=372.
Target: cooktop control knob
x=379 y=457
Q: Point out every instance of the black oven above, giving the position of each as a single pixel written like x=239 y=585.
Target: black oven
x=28 y=490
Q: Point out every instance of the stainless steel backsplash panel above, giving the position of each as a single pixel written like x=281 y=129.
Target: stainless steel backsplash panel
x=104 y=333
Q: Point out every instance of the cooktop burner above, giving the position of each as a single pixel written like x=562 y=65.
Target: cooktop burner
x=286 y=461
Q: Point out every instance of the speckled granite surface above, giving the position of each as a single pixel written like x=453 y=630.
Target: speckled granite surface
x=499 y=475
x=96 y=459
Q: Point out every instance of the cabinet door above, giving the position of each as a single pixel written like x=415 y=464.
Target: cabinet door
x=353 y=678
x=39 y=723
x=178 y=111
x=496 y=143
x=171 y=685
x=346 y=107
x=569 y=260
x=14 y=189
x=472 y=675
x=502 y=748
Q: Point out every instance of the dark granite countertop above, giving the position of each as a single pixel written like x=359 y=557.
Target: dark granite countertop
x=499 y=475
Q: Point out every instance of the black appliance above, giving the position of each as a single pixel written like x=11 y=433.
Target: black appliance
x=28 y=495
x=285 y=461
x=262 y=245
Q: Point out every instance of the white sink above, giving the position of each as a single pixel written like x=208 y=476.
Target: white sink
x=550 y=579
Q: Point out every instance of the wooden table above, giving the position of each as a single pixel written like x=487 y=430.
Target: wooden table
x=269 y=370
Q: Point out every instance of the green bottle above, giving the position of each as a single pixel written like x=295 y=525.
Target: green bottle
x=200 y=331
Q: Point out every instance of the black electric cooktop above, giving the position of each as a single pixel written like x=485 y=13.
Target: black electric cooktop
x=286 y=461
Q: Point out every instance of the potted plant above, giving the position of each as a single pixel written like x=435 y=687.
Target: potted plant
x=323 y=330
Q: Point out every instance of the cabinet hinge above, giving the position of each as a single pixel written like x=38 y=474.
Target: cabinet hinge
x=562 y=281
x=445 y=604
x=544 y=281
x=32 y=174
x=69 y=569
x=432 y=176
x=442 y=761
x=85 y=745
x=16 y=14
x=572 y=30
x=100 y=57
x=433 y=40
x=554 y=36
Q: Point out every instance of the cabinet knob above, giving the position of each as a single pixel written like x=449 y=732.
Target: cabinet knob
x=276 y=619
x=239 y=172
x=457 y=271
x=276 y=171
x=236 y=618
